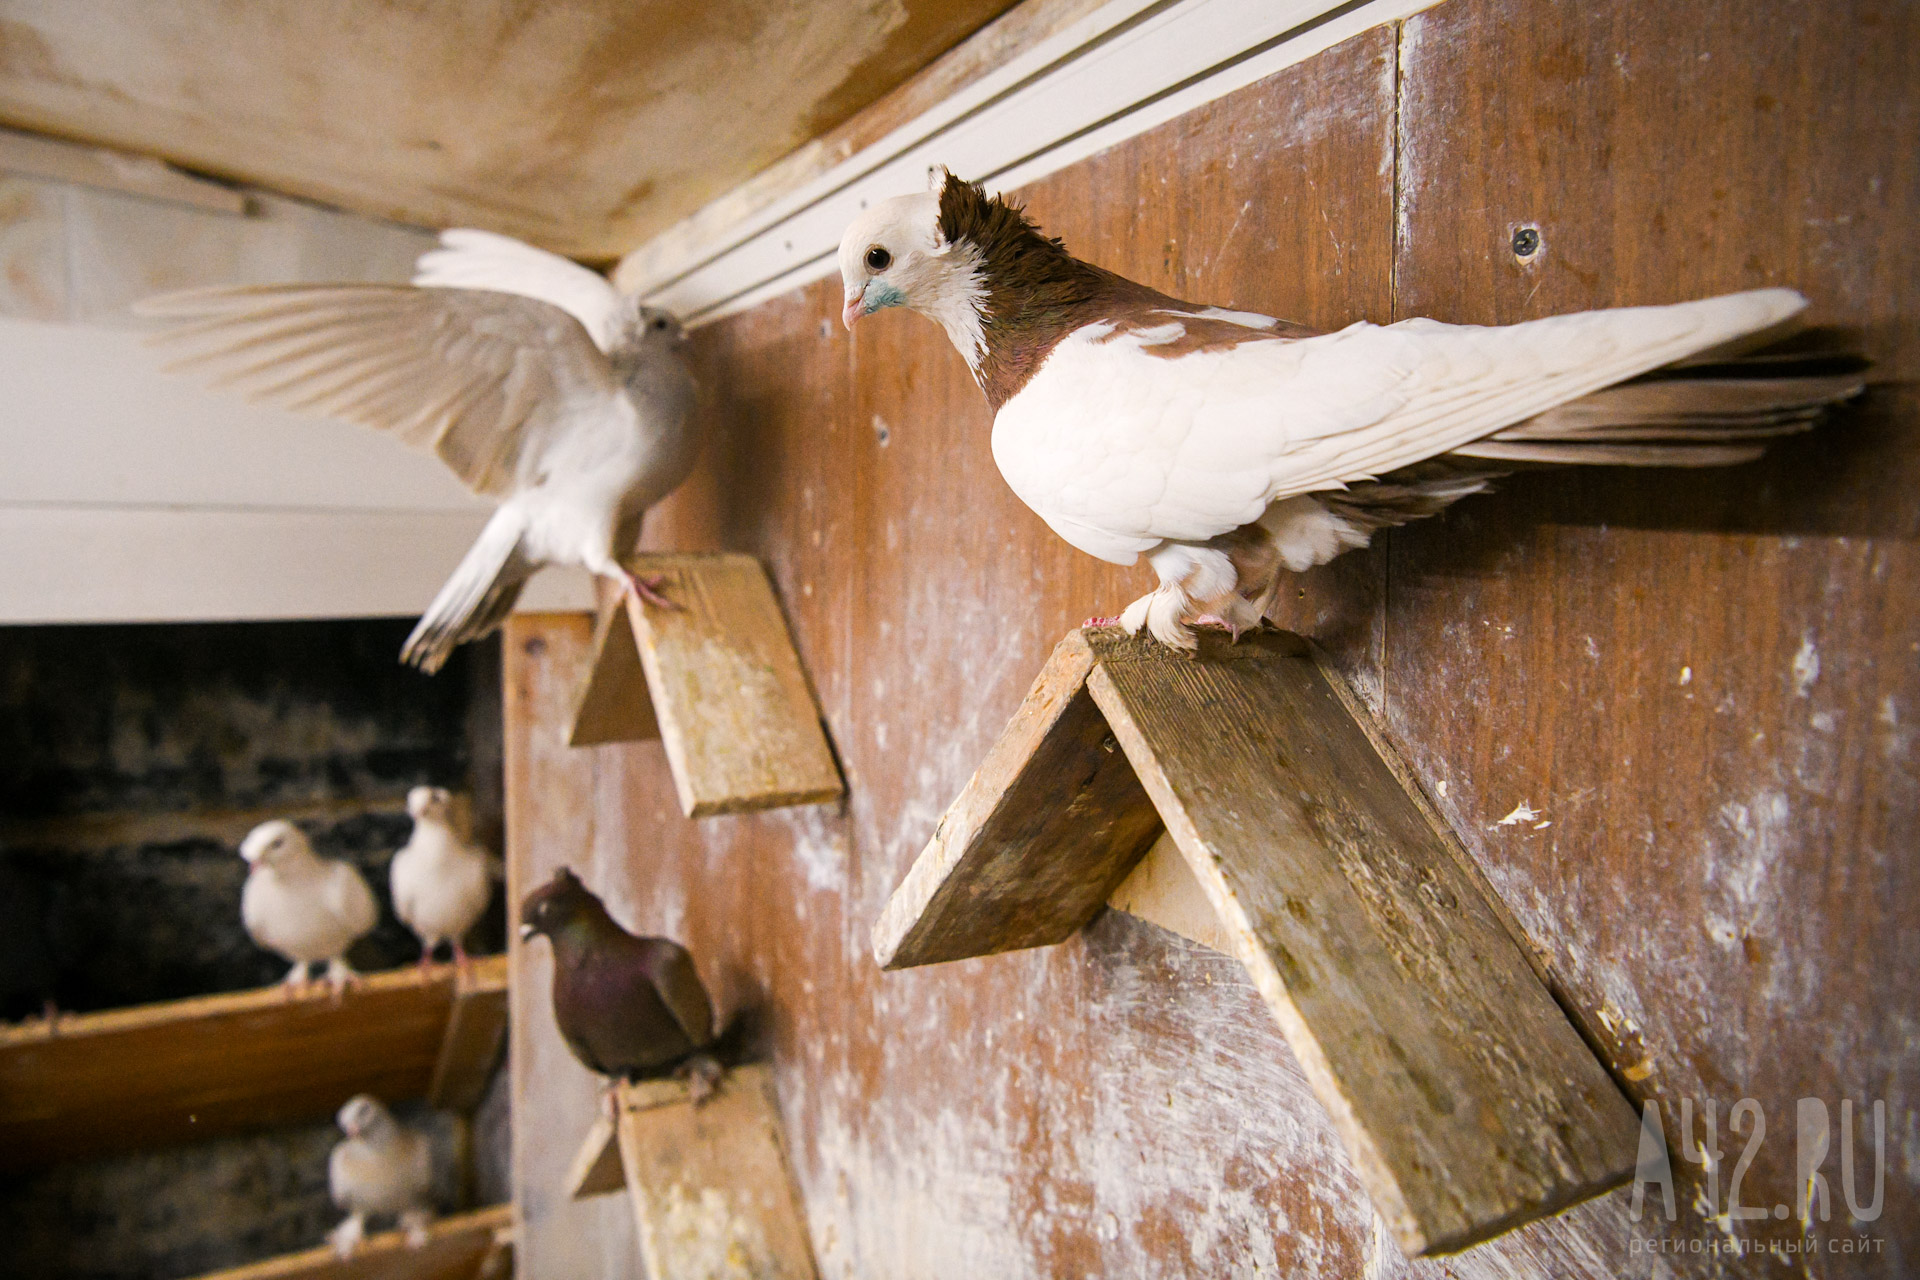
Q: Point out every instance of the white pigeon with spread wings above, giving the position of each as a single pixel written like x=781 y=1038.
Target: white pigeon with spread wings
x=529 y=376
x=1226 y=446
x=308 y=908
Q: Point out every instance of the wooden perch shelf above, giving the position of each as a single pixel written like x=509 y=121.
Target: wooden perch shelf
x=161 y=1074
x=1466 y=1100
x=711 y=1189
x=467 y=1246
x=717 y=680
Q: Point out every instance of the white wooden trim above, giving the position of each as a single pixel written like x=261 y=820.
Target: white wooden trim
x=155 y=564
x=1123 y=69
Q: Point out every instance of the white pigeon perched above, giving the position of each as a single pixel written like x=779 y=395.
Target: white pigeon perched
x=305 y=907
x=1227 y=446
x=526 y=374
x=441 y=882
x=382 y=1168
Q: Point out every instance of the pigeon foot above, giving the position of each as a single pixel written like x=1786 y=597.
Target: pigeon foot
x=414 y=1223
x=1101 y=622
x=340 y=976
x=702 y=1074
x=648 y=590
x=346 y=1237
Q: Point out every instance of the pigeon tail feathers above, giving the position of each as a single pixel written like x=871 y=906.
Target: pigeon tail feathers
x=477 y=598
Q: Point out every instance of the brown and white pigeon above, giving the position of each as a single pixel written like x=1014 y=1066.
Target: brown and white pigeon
x=527 y=374
x=382 y=1168
x=1227 y=446
x=628 y=1007
x=306 y=907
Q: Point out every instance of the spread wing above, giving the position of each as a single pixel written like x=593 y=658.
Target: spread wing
x=484 y=379
x=1119 y=449
x=468 y=259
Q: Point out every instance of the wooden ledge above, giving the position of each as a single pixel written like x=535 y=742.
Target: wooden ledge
x=712 y=1193
x=466 y=1246
x=161 y=1074
x=717 y=680
x=1466 y=1100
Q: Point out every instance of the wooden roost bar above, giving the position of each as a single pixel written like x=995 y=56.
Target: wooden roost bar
x=717 y=680
x=466 y=1246
x=1466 y=1100
x=160 y=1074
x=711 y=1189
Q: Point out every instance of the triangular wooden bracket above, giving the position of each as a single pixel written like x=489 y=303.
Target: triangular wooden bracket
x=1467 y=1101
x=712 y=1192
x=718 y=680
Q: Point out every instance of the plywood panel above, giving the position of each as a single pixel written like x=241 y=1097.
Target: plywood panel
x=584 y=125
x=1696 y=685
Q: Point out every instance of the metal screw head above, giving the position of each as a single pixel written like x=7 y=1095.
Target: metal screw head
x=1526 y=241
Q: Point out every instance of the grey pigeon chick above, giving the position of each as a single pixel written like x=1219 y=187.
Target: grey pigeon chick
x=627 y=1007
x=525 y=373
x=441 y=881
x=382 y=1168
x=305 y=907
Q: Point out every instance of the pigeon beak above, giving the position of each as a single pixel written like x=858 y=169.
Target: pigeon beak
x=856 y=306
x=526 y=932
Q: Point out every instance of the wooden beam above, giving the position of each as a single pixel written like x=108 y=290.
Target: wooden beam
x=57 y=160
x=161 y=1074
x=466 y=1246
x=712 y=1192
x=724 y=688
x=596 y=1168
x=476 y=1032
x=1045 y=830
x=1466 y=1100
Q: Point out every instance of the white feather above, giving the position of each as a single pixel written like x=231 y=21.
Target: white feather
x=470 y=259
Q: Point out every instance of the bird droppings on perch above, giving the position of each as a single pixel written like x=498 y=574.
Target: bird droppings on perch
x=717 y=680
x=1467 y=1102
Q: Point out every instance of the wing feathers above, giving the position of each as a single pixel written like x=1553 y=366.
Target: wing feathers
x=464 y=371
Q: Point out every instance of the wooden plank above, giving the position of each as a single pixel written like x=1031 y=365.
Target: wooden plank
x=596 y=1169
x=613 y=704
x=476 y=1032
x=1162 y=889
x=466 y=1246
x=1045 y=830
x=1467 y=1102
x=184 y=1070
x=712 y=1193
x=741 y=727
x=554 y=820
x=37 y=156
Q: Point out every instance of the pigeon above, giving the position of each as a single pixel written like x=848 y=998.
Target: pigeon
x=1229 y=447
x=527 y=374
x=305 y=907
x=628 y=1007
x=441 y=883
x=383 y=1168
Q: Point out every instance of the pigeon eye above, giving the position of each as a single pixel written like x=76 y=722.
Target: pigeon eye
x=878 y=259
x=660 y=323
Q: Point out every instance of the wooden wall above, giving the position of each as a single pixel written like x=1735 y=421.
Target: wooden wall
x=1705 y=685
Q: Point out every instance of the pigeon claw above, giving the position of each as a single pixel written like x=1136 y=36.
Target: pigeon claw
x=702 y=1074
x=1101 y=622
x=648 y=590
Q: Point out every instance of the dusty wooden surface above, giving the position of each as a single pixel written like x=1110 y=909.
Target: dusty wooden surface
x=583 y=125
x=1045 y=830
x=711 y=1190
x=1466 y=1101
x=613 y=704
x=1724 y=898
x=185 y=1070
x=466 y=1246
x=722 y=688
